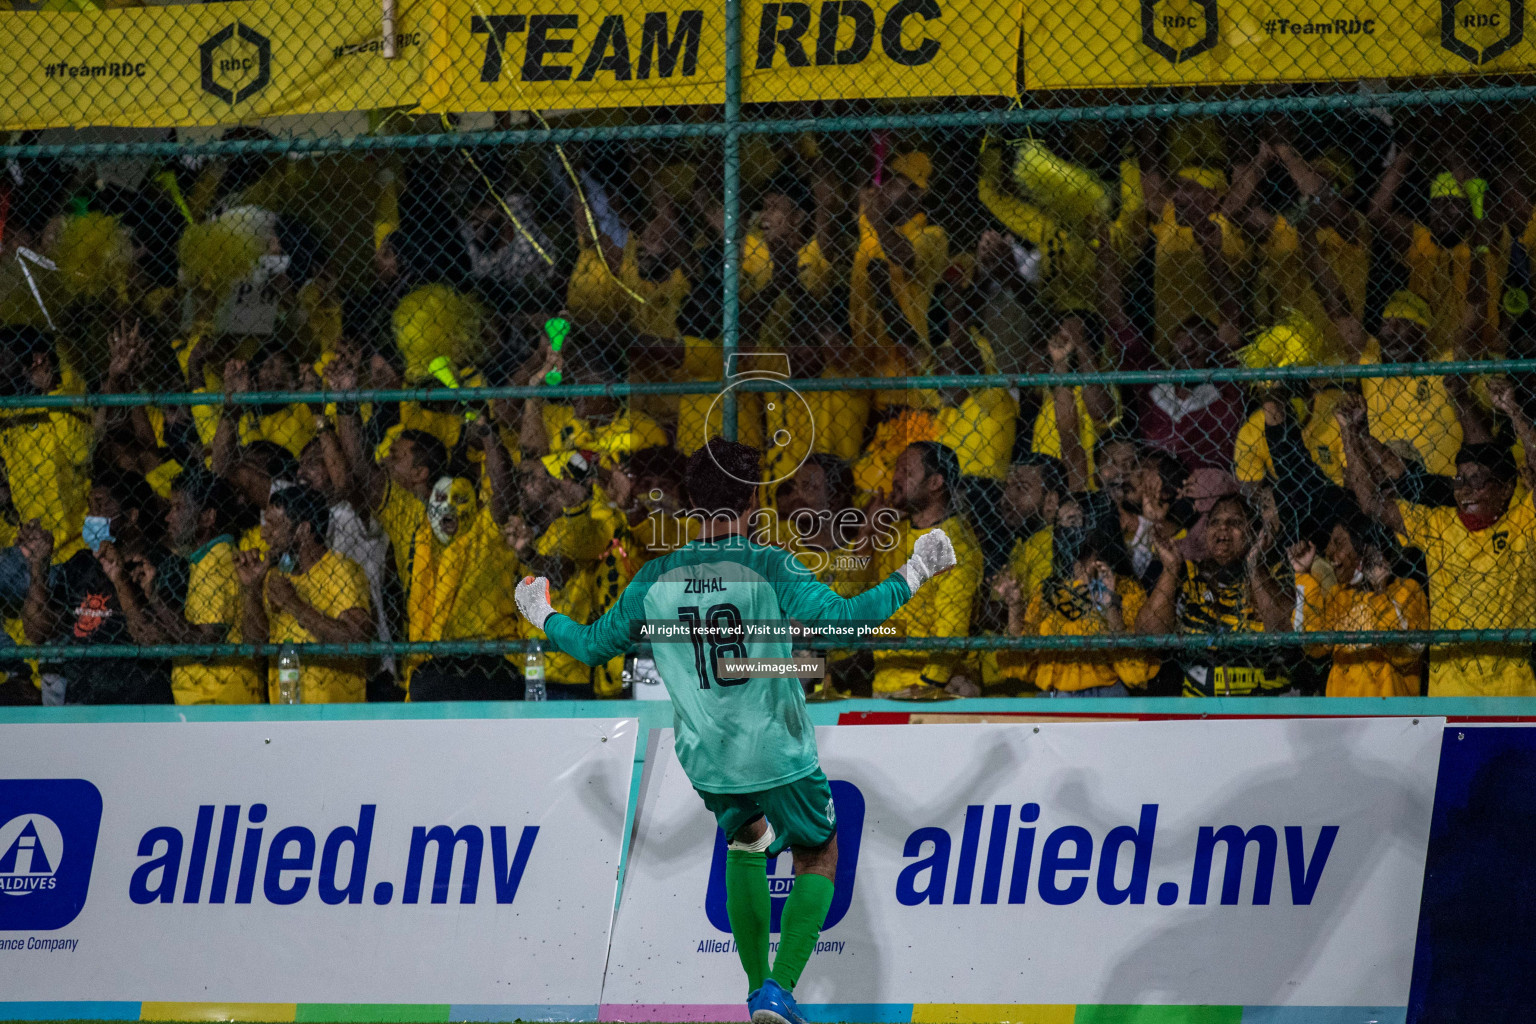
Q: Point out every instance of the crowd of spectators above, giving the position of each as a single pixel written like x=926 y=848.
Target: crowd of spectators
x=1077 y=509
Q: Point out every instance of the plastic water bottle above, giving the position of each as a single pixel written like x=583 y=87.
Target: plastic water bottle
x=533 y=671
x=290 y=675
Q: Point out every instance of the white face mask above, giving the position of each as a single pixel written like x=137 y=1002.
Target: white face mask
x=451 y=498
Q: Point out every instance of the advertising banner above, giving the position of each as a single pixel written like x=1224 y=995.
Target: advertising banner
x=1048 y=866
x=1130 y=43
x=204 y=64
x=1477 y=929
x=864 y=49
x=430 y=862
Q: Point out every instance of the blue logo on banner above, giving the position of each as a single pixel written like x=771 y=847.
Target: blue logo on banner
x=848 y=814
x=48 y=831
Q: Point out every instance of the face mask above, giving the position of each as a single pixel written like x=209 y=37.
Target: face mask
x=451 y=497
x=96 y=532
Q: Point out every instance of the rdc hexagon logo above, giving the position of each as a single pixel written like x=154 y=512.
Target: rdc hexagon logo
x=1480 y=30
x=1177 y=31
x=235 y=73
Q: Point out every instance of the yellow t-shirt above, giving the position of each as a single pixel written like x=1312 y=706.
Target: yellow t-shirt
x=1482 y=580
x=1366 y=670
x=800 y=423
x=400 y=513
x=1285 y=282
x=461 y=590
x=1320 y=434
x=1064 y=609
x=333 y=585
x=47 y=458
x=589 y=535
x=981 y=431
x=913 y=293
x=873 y=469
x=213 y=598
x=1440 y=276
x=1414 y=409
x=941 y=607
x=1182 y=286
x=1030 y=564
x=593 y=294
x=699 y=417
x=1069 y=278
x=1046 y=438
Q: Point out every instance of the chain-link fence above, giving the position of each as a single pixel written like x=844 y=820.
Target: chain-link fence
x=1203 y=329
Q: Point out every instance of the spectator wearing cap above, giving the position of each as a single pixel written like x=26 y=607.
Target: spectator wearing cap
x=1196 y=249
x=1480 y=553
x=304 y=593
x=1422 y=411
x=1295 y=342
x=926 y=496
x=80 y=602
x=1427 y=412
x=1438 y=253
x=201 y=529
x=1368 y=596
x=901 y=255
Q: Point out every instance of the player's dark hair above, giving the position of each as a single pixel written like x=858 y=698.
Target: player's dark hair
x=662 y=461
x=721 y=476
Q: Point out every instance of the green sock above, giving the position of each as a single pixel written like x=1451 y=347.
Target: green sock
x=746 y=903
x=800 y=927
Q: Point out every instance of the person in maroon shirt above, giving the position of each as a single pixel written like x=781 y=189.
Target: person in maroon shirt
x=1196 y=423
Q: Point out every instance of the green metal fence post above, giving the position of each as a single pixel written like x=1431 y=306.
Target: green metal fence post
x=730 y=321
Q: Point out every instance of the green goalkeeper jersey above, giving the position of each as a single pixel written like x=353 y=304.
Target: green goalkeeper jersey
x=729 y=598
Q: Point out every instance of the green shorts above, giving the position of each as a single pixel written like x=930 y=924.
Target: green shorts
x=800 y=812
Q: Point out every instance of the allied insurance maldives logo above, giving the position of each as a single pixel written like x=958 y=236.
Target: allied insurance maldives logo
x=236 y=63
x=48 y=831
x=848 y=816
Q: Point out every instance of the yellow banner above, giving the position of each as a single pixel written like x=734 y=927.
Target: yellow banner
x=862 y=49
x=544 y=54
x=1129 y=43
x=203 y=64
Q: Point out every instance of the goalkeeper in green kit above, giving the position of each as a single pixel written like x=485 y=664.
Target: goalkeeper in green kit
x=746 y=743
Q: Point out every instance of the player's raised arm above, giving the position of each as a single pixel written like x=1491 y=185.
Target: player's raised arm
x=804 y=597
x=592 y=644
